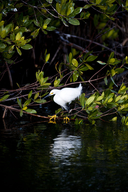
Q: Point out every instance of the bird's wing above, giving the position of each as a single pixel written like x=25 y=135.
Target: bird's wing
x=69 y=94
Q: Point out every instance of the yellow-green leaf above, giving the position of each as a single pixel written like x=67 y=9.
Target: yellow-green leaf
x=75 y=62
x=44 y=26
x=114 y=119
x=24 y=108
x=89 y=67
x=18 y=35
x=90 y=100
x=110 y=100
x=112 y=60
x=36 y=95
x=47 y=57
x=1 y=23
x=27 y=102
x=4 y=97
x=118 y=98
x=100 y=97
x=56 y=82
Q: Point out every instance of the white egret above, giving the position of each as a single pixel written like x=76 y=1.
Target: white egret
x=66 y=95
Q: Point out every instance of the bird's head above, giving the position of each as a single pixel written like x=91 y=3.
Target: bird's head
x=52 y=92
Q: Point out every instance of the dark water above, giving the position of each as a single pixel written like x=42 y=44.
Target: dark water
x=39 y=157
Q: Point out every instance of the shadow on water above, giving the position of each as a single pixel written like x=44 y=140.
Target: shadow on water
x=63 y=157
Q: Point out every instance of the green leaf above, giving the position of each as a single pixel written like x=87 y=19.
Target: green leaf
x=70 y=57
x=75 y=12
x=73 y=21
x=85 y=15
x=2 y=46
x=0 y=16
x=87 y=6
x=30 y=111
x=3 y=33
x=36 y=23
x=98 y=1
x=58 y=110
x=11 y=48
x=35 y=33
x=101 y=25
x=51 y=28
x=82 y=100
x=106 y=80
x=47 y=57
x=4 y=97
x=113 y=72
x=30 y=94
x=64 y=22
x=47 y=21
x=9 y=27
x=69 y=11
x=36 y=95
x=126 y=4
x=27 y=102
x=111 y=56
x=117 y=98
x=27 y=47
x=58 y=7
x=19 y=102
x=110 y=100
x=40 y=101
x=100 y=97
x=21 y=113
x=91 y=58
x=18 y=51
x=113 y=81
x=122 y=89
x=12 y=36
x=90 y=100
x=89 y=67
x=75 y=75
x=49 y=1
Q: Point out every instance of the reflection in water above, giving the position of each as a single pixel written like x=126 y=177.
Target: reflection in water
x=43 y=159
x=65 y=146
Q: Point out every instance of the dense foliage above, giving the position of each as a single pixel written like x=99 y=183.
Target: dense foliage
x=65 y=43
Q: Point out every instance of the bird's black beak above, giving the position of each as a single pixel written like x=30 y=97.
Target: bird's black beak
x=46 y=96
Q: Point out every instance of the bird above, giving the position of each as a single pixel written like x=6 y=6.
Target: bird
x=65 y=95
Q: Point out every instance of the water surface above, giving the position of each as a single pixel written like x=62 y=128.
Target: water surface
x=40 y=157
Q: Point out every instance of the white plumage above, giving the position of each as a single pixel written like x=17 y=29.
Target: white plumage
x=65 y=95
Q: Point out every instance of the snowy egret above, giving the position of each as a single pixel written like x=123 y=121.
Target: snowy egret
x=65 y=95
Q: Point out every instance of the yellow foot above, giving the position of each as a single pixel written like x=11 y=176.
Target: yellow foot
x=66 y=120
x=52 y=119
